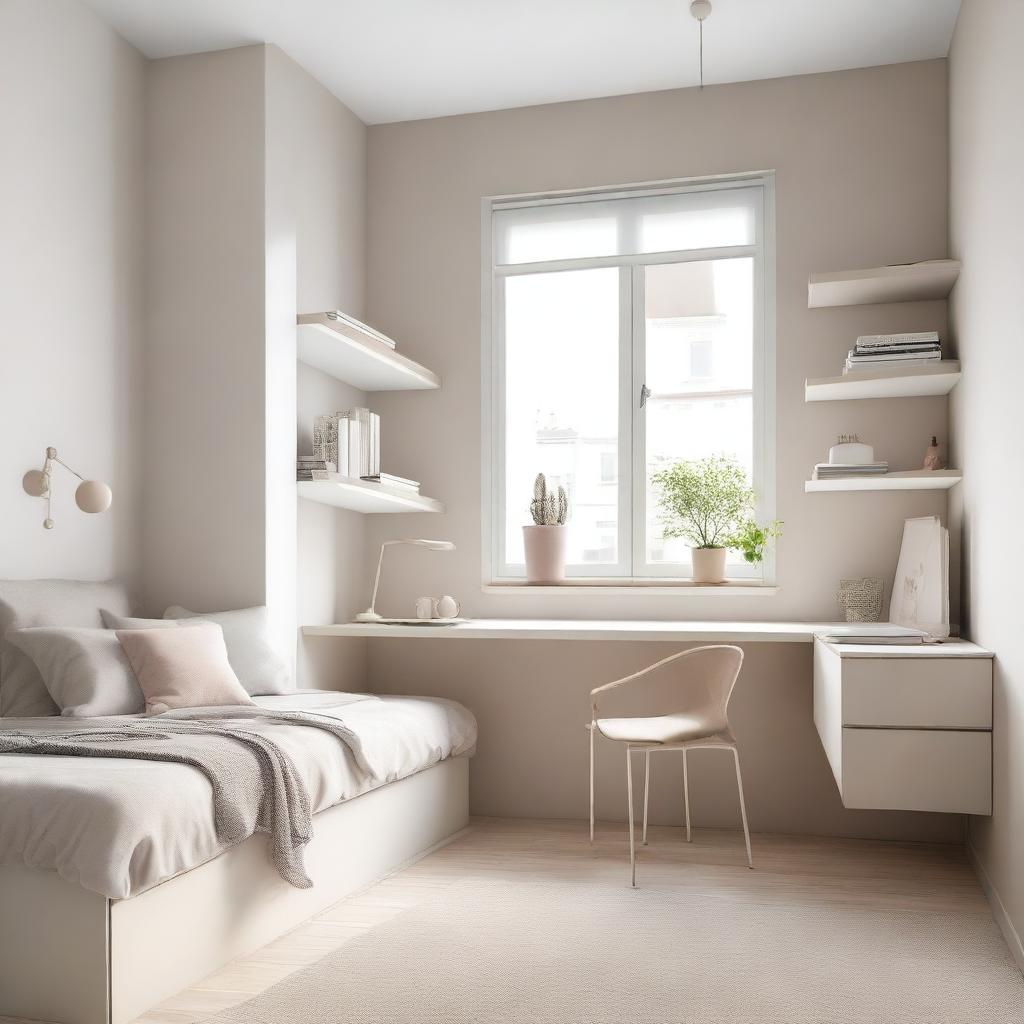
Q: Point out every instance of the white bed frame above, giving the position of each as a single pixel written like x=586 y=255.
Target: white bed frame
x=71 y=956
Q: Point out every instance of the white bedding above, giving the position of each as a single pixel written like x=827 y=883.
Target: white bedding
x=118 y=827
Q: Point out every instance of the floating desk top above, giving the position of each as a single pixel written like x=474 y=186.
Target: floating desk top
x=585 y=629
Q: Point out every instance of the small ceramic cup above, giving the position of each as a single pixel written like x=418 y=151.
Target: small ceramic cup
x=425 y=608
x=447 y=607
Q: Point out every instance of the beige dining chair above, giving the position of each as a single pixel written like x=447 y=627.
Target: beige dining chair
x=705 y=679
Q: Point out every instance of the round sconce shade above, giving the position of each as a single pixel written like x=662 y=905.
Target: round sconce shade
x=93 y=496
x=36 y=483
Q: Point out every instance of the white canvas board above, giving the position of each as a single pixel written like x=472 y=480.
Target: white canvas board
x=920 y=592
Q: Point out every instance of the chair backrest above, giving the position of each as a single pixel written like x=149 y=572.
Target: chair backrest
x=706 y=677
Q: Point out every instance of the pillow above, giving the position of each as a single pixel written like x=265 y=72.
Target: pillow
x=182 y=668
x=85 y=670
x=246 y=632
x=25 y=603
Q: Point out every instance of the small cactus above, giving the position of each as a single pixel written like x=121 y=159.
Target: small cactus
x=546 y=508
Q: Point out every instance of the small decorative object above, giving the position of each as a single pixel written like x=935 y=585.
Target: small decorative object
x=424 y=607
x=91 y=495
x=920 y=592
x=447 y=607
x=849 y=450
x=932 y=457
x=710 y=503
x=861 y=600
x=545 y=541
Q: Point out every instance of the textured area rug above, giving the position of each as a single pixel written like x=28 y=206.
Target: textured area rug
x=579 y=953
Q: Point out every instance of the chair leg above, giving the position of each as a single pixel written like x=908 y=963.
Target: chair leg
x=592 y=784
x=647 y=786
x=686 y=795
x=743 y=806
x=629 y=792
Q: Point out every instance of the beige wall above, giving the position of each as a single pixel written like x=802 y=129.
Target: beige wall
x=71 y=315
x=860 y=159
x=987 y=216
x=316 y=154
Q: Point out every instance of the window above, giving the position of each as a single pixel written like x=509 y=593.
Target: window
x=626 y=330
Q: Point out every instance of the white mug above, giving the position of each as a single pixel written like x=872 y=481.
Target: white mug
x=425 y=608
x=447 y=607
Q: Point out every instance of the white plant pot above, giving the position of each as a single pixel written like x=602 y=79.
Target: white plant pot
x=709 y=565
x=545 y=553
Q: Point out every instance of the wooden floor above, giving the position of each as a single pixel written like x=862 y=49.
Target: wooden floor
x=858 y=873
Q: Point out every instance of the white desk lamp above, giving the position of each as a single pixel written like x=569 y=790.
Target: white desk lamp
x=90 y=496
x=370 y=615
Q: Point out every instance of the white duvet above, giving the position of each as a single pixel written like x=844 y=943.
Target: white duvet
x=118 y=827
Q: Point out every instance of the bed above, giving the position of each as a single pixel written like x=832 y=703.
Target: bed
x=116 y=893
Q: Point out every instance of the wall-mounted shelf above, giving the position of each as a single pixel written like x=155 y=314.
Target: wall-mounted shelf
x=365 y=496
x=932 y=279
x=938 y=378
x=349 y=353
x=913 y=480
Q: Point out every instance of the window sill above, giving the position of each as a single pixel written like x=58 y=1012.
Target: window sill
x=634 y=587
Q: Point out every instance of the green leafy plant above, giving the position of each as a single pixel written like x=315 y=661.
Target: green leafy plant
x=710 y=503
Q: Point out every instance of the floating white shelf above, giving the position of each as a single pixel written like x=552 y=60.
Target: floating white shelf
x=357 y=357
x=932 y=279
x=938 y=378
x=365 y=496
x=913 y=480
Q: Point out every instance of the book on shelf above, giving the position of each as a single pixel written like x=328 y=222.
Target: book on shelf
x=398 y=483
x=894 y=354
x=350 y=440
x=828 y=470
x=334 y=318
x=871 y=342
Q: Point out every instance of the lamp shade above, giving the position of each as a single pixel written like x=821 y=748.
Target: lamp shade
x=93 y=496
x=434 y=545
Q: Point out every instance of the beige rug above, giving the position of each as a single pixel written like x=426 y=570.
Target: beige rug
x=604 y=954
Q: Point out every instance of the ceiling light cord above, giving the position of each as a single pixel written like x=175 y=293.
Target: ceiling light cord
x=700 y=9
x=701 y=52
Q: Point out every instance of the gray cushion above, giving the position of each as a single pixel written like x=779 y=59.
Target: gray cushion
x=260 y=669
x=25 y=603
x=86 y=671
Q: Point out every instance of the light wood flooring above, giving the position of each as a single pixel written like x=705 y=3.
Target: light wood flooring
x=859 y=873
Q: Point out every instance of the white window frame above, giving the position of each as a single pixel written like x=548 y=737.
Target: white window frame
x=632 y=323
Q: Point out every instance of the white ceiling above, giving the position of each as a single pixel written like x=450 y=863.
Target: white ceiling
x=395 y=60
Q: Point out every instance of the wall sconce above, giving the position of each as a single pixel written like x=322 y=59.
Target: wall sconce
x=370 y=615
x=90 y=496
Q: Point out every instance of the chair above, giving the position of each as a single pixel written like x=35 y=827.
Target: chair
x=706 y=683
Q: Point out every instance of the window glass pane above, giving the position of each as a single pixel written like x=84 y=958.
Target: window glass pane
x=699 y=368
x=562 y=405
x=627 y=226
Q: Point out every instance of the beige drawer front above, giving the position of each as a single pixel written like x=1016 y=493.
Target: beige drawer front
x=917 y=770
x=921 y=693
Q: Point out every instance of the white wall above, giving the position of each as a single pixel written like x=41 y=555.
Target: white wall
x=316 y=153
x=986 y=222
x=860 y=160
x=71 y=319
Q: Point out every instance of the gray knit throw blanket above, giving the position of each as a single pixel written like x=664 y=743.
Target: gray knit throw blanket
x=255 y=785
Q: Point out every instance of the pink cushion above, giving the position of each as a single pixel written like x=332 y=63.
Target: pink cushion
x=185 y=667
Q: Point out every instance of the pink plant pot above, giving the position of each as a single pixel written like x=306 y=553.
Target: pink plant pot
x=545 y=553
x=709 y=565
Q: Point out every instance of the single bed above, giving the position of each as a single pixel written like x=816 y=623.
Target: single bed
x=116 y=893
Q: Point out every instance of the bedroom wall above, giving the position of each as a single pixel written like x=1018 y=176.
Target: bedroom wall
x=987 y=209
x=316 y=152
x=71 y=316
x=839 y=206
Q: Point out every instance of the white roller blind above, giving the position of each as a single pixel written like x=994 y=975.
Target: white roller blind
x=580 y=227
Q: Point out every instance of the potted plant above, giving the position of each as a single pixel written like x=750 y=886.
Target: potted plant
x=710 y=503
x=545 y=541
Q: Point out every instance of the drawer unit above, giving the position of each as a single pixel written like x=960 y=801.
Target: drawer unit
x=907 y=728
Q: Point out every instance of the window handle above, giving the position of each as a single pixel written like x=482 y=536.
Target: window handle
x=645 y=393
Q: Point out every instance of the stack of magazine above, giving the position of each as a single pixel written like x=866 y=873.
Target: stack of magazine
x=889 y=351
x=831 y=470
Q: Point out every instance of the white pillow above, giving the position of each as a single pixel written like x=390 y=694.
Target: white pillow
x=85 y=670
x=260 y=669
x=25 y=603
